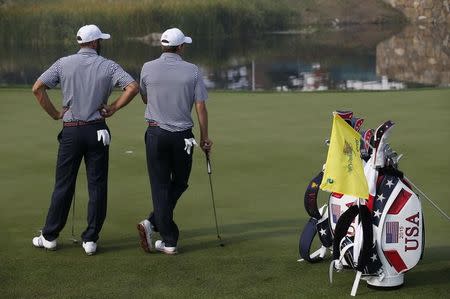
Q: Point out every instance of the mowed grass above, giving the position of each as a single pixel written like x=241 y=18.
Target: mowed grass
x=266 y=148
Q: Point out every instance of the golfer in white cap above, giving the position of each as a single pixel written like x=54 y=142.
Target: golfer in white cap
x=87 y=80
x=170 y=87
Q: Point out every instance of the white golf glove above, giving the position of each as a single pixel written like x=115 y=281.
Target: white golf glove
x=189 y=143
x=103 y=135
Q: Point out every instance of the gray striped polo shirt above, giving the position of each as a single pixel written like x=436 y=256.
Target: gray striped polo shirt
x=87 y=81
x=171 y=86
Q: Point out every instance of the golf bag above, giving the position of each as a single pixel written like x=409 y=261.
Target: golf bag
x=380 y=238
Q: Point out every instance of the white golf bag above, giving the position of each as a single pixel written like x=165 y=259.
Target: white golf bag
x=380 y=238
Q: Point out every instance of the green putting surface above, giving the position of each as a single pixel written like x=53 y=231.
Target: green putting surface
x=267 y=146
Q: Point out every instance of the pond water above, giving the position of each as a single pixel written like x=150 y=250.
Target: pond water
x=362 y=58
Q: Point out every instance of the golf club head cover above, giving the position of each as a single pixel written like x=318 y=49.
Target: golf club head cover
x=380 y=141
x=354 y=122
x=345 y=115
x=357 y=123
x=366 y=149
x=381 y=131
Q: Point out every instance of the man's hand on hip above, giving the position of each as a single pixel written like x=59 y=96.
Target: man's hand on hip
x=107 y=110
x=62 y=112
x=127 y=95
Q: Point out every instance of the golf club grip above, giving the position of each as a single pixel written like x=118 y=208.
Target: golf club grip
x=208 y=164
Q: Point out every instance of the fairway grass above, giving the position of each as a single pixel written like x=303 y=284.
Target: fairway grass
x=267 y=146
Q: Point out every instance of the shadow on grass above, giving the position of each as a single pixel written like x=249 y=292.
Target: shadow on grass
x=229 y=240
x=242 y=232
x=432 y=269
x=417 y=279
x=230 y=234
x=119 y=244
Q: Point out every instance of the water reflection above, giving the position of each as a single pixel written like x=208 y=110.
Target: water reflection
x=371 y=58
x=304 y=62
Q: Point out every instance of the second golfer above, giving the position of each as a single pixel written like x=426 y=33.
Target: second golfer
x=170 y=87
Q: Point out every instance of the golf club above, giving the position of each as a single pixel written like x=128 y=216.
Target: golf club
x=73 y=239
x=208 y=168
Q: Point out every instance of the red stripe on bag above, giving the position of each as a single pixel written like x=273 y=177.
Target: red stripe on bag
x=337 y=195
x=395 y=260
x=399 y=202
x=370 y=202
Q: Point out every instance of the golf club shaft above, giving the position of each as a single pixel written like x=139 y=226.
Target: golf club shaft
x=429 y=200
x=208 y=167
x=73 y=217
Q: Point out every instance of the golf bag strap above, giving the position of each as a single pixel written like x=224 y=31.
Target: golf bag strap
x=344 y=250
x=342 y=227
x=306 y=239
x=366 y=219
x=310 y=198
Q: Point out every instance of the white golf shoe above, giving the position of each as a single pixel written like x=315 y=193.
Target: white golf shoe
x=90 y=247
x=160 y=246
x=41 y=242
x=145 y=229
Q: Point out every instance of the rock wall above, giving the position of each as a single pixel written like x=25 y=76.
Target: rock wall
x=418 y=54
x=431 y=11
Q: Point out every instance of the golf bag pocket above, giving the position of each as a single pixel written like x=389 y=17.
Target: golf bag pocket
x=400 y=228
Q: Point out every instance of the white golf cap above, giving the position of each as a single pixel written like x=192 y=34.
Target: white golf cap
x=174 y=37
x=89 y=33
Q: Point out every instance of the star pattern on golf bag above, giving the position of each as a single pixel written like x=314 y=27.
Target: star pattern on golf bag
x=325 y=234
x=384 y=191
x=374 y=264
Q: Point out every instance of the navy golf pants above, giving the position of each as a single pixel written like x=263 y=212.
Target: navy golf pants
x=169 y=167
x=76 y=143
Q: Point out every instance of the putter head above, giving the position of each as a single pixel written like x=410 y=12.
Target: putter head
x=220 y=241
